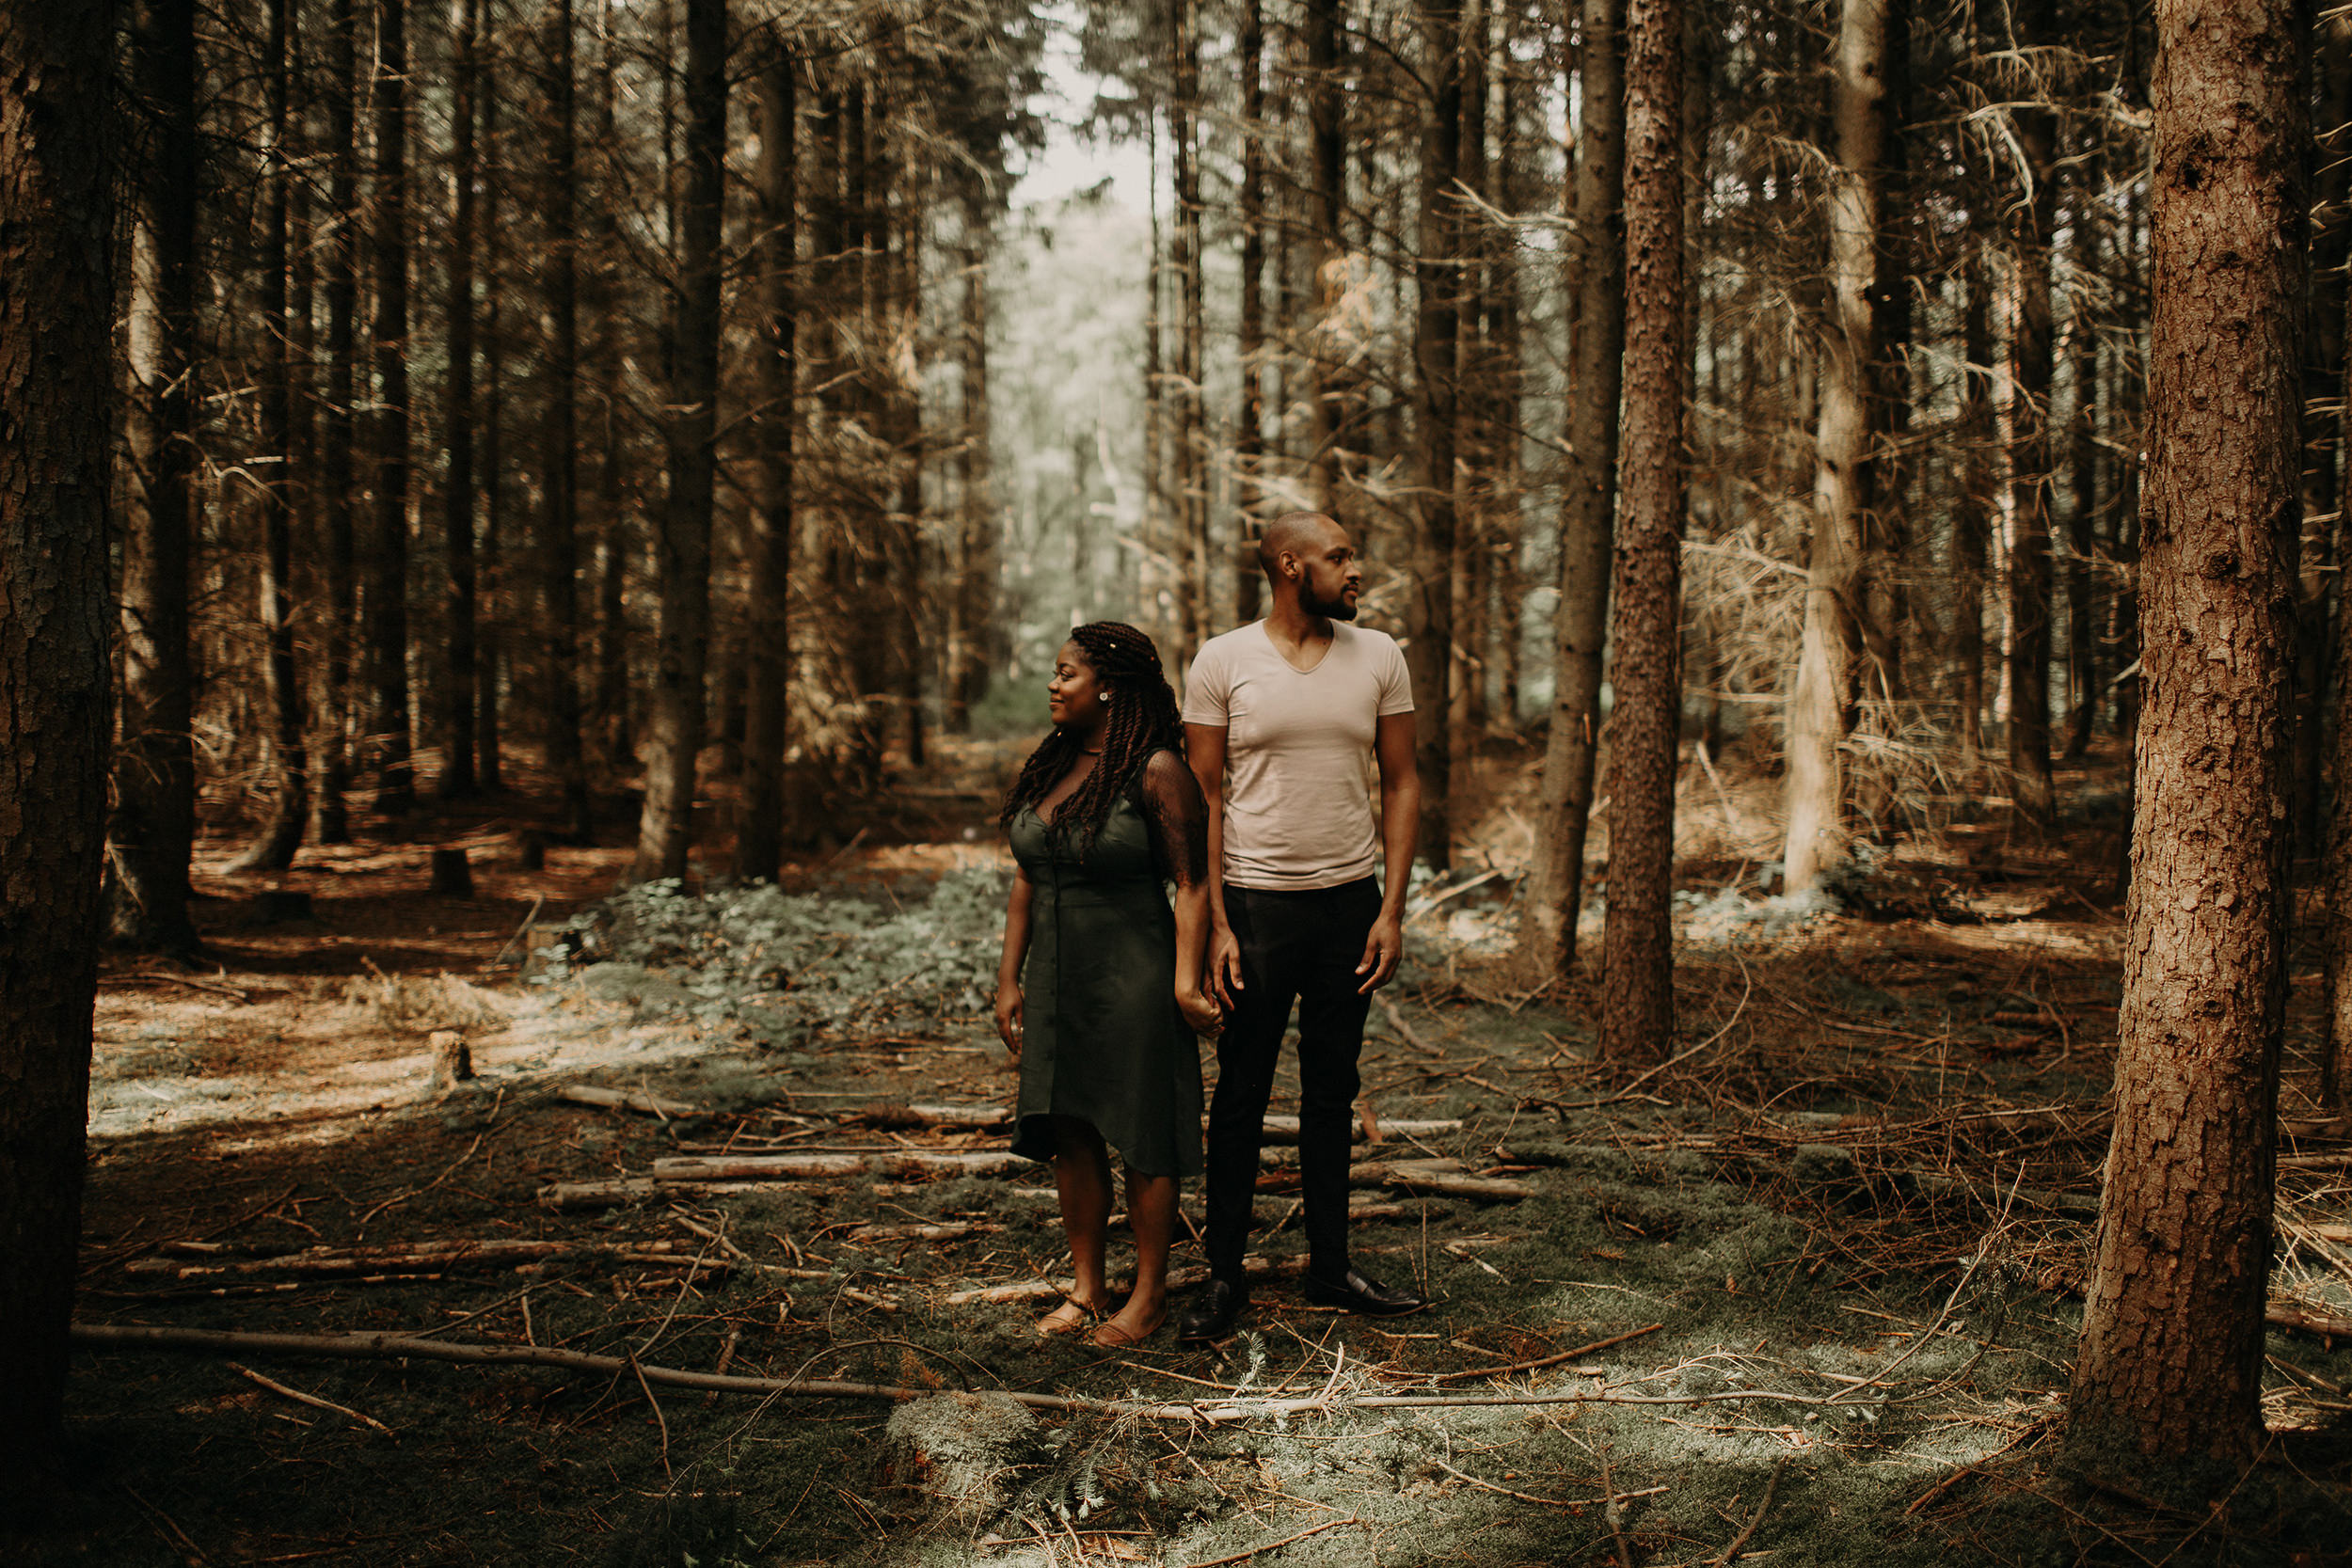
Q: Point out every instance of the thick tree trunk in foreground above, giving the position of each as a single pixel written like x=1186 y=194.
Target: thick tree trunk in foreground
x=457 y=423
x=1831 y=667
x=759 y=839
x=2170 y=1361
x=389 y=719
x=154 y=780
x=664 y=829
x=272 y=849
x=558 y=535
x=1437 y=388
x=1637 y=951
x=55 y=372
x=1587 y=508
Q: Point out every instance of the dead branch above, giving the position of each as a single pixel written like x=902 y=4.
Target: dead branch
x=628 y=1099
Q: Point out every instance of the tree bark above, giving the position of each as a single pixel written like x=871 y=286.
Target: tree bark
x=2085 y=607
x=1637 y=956
x=615 y=736
x=338 y=634
x=2034 y=810
x=457 y=421
x=491 y=597
x=665 y=827
x=1588 y=504
x=1249 y=416
x=55 y=376
x=388 y=580
x=272 y=849
x=767 y=715
x=2169 y=1365
x=2324 y=415
x=1971 y=505
x=1436 y=392
x=1832 y=667
x=1195 y=614
x=153 y=826
x=2328 y=483
x=974 y=611
x=559 y=539
x=1326 y=121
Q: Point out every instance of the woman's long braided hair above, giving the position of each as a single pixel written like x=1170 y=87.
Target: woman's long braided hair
x=1142 y=719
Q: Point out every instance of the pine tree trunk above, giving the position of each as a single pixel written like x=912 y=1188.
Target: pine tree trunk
x=272 y=849
x=2030 y=468
x=976 y=563
x=153 y=826
x=56 y=185
x=2084 y=610
x=457 y=423
x=1971 y=505
x=491 y=595
x=1637 y=953
x=664 y=829
x=2324 y=415
x=559 y=538
x=615 y=736
x=338 y=635
x=1588 y=505
x=1437 y=391
x=388 y=578
x=2328 y=484
x=1833 y=662
x=1250 y=489
x=1188 y=415
x=1326 y=120
x=2171 y=1362
x=767 y=712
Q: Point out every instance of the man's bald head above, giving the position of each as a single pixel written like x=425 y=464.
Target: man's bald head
x=1299 y=534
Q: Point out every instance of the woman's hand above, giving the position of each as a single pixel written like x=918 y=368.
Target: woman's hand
x=1008 y=1016
x=1200 y=1009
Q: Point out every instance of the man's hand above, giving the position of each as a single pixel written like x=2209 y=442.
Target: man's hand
x=1383 y=948
x=1008 y=1018
x=1224 y=965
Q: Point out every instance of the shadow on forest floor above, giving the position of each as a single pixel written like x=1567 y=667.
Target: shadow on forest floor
x=1839 y=1242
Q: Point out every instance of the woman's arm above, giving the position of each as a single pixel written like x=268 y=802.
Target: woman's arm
x=1009 y=965
x=1180 y=816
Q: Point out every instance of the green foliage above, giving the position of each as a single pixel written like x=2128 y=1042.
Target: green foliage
x=785 y=965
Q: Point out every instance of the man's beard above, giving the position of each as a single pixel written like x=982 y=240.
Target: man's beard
x=1334 y=609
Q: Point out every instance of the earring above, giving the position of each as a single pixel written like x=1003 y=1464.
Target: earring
x=1102 y=696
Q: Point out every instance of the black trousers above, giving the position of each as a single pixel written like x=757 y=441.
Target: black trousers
x=1299 y=947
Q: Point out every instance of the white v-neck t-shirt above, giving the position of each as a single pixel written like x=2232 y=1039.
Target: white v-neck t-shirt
x=1298 y=811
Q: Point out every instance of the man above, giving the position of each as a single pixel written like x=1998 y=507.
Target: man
x=1289 y=706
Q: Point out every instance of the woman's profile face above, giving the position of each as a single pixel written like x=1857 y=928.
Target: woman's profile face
x=1073 y=692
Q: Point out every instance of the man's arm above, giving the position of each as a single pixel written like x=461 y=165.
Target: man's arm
x=1204 y=747
x=1400 y=824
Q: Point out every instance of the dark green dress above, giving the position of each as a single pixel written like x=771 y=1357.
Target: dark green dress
x=1101 y=1038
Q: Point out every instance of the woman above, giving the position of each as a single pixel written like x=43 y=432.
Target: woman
x=1104 y=810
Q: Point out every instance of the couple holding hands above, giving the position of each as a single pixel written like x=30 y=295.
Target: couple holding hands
x=1254 y=802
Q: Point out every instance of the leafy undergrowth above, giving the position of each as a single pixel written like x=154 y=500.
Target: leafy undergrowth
x=1828 y=1256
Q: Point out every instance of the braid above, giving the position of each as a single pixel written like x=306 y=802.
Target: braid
x=1142 y=719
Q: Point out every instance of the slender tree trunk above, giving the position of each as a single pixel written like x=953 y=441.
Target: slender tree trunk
x=1971 y=505
x=388 y=580
x=1437 y=391
x=616 y=740
x=338 y=635
x=272 y=849
x=2171 y=1363
x=767 y=715
x=559 y=539
x=1326 y=120
x=153 y=826
x=2029 y=468
x=2324 y=415
x=976 y=555
x=2084 y=610
x=1249 y=418
x=1194 y=613
x=665 y=827
x=2328 y=485
x=457 y=421
x=1588 y=504
x=492 y=598
x=56 y=185
x=1832 y=667
x=1156 y=551
x=1473 y=410
x=1637 y=953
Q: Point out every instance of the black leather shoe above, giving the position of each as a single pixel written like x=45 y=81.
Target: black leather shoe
x=1359 y=1292
x=1210 y=1314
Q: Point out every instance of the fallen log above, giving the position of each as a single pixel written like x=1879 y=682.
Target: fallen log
x=1284 y=1130
x=437 y=1257
x=791 y=1167
x=1445 y=1177
x=929 y=1116
x=628 y=1099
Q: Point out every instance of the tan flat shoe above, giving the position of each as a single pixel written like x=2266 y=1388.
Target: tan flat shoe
x=1069 y=1318
x=1112 y=1337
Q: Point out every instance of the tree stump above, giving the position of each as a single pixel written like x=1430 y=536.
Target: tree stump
x=453 y=1060
x=530 y=850
x=453 y=877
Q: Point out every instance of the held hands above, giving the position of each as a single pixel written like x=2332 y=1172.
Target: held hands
x=1383 y=948
x=1200 y=1009
x=1008 y=1018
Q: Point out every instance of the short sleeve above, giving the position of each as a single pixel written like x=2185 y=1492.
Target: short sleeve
x=1209 y=689
x=1394 y=679
x=1179 y=814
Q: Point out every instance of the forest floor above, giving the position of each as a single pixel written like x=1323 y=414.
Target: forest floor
x=1835 y=1247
